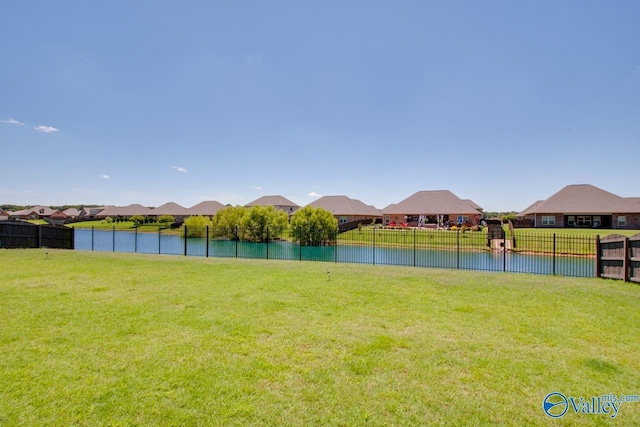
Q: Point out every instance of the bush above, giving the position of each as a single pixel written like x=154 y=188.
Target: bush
x=196 y=226
x=166 y=219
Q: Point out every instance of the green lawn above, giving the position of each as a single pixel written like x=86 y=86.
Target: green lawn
x=121 y=339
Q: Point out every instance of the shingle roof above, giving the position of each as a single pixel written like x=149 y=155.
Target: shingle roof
x=584 y=198
x=130 y=210
x=46 y=211
x=71 y=212
x=473 y=204
x=171 y=208
x=207 y=208
x=343 y=205
x=433 y=202
x=529 y=210
x=272 y=201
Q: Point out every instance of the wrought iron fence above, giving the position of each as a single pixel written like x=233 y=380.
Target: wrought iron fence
x=536 y=253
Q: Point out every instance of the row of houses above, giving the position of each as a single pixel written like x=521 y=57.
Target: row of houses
x=580 y=205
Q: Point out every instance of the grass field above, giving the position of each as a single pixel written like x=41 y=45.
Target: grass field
x=120 y=339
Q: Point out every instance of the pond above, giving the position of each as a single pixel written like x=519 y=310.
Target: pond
x=171 y=244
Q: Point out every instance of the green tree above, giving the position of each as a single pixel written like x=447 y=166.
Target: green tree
x=166 y=219
x=196 y=226
x=226 y=220
x=313 y=226
x=138 y=220
x=263 y=223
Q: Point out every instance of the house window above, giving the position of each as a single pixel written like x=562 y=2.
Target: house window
x=548 y=220
x=597 y=221
x=571 y=220
x=386 y=219
x=584 y=221
x=342 y=219
x=622 y=221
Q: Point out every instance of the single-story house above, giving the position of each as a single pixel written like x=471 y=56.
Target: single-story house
x=90 y=212
x=208 y=208
x=584 y=205
x=124 y=211
x=439 y=207
x=346 y=210
x=179 y=213
x=278 y=202
x=35 y=212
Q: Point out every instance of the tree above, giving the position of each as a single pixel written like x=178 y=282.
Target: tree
x=226 y=220
x=263 y=223
x=313 y=226
x=166 y=219
x=196 y=226
x=138 y=220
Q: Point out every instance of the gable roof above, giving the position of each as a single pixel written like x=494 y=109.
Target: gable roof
x=71 y=212
x=171 y=208
x=272 y=201
x=343 y=205
x=584 y=198
x=38 y=210
x=207 y=208
x=131 y=210
x=433 y=202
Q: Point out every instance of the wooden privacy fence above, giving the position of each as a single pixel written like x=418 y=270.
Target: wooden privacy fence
x=16 y=234
x=618 y=257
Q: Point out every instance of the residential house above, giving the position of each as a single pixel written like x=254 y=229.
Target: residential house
x=125 y=212
x=278 y=202
x=90 y=212
x=584 y=205
x=178 y=212
x=35 y=212
x=437 y=207
x=208 y=208
x=5 y=215
x=347 y=210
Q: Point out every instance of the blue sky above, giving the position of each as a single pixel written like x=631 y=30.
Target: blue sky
x=149 y=102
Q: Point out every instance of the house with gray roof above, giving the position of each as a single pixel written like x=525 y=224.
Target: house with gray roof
x=125 y=211
x=35 y=212
x=584 y=205
x=179 y=213
x=346 y=210
x=432 y=207
x=207 y=208
x=278 y=202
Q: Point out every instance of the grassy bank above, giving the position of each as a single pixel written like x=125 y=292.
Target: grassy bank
x=104 y=339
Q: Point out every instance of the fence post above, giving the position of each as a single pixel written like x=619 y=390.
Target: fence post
x=135 y=240
x=458 y=249
x=113 y=239
x=185 y=240
x=504 y=251
x=267 y=242
x=598 y=257
x=626 y=262
x=73 y=238
x=159 y=240
x=335 y=251
x=554 y=254
x=207 y=242
x=374 y=246
x=300 y=241
x=415 y=235
x=93 y=227
x=236 y=241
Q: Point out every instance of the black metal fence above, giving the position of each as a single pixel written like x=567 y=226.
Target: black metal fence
x=16 y=234
x=537 y=253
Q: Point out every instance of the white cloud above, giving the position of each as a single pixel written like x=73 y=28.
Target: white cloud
x=105 y=177
x=314 y=194
x=180 y=169
x=255 y=187
x=46 y=129
x=12 y=122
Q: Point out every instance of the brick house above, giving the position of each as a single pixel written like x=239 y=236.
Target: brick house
x=347 y=210
x=425 y=208
x=584 y=205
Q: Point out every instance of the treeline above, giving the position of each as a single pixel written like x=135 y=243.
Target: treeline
x=310 y=226
x=504 y=216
